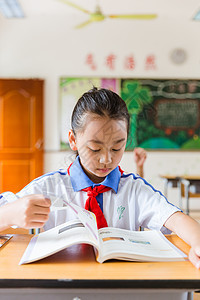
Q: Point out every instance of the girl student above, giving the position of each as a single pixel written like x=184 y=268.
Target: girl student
x=100 y=123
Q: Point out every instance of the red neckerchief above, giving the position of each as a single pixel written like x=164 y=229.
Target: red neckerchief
x=91 y=202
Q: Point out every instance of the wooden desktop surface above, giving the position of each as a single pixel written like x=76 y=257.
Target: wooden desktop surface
x=176 y=177
x=78 y=263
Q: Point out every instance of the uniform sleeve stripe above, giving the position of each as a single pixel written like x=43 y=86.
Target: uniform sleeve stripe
x=61 y=172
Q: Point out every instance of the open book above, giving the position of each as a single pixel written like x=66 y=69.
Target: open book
x=108 y=242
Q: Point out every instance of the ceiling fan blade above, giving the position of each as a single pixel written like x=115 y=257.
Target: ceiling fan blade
x=75 y=6
x=84 y=24
x=136 y=16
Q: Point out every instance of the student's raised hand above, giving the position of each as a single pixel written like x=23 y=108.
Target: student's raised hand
x=140 y=156
x=194 y=256
x=31 y=211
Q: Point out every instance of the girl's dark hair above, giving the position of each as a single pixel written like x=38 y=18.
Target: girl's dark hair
x=102 y=102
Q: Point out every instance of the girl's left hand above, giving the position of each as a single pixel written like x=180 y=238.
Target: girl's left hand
x=194 y=256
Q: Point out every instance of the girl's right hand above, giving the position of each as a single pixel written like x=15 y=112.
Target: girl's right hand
x=30 y=211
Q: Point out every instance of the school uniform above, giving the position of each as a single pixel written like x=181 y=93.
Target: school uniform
x=130 y=203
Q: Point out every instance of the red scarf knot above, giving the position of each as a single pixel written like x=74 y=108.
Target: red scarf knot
x=92 y=193
x=91 y=202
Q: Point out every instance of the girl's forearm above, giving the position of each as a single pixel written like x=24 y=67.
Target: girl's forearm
x=191 y=232
x=185 y=227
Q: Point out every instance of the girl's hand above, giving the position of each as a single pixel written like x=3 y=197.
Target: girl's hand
x=189 y=230
x=31 y=211
x=194 y=256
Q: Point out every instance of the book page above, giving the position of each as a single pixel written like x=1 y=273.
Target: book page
x=5 y=238
x=136 y=245
x=56 y=239
x=85 y=216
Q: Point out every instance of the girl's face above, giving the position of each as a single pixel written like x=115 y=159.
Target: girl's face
x=100 y=145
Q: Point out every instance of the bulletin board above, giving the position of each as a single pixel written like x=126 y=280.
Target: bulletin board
x=164 y=114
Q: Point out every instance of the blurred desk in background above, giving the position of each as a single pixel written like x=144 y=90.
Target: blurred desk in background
x=188 y=185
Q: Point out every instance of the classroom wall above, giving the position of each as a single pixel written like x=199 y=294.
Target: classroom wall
x=48 y=47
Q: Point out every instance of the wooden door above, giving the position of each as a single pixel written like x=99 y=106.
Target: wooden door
x=21 y=132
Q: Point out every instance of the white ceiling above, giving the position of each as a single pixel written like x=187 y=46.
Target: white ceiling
x=183 y=10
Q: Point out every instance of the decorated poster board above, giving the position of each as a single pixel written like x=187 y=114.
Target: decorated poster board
x=165 y=114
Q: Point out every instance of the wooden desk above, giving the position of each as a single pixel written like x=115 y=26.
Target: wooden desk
x=170 y=180
x=188 y=182
x=184 y=183
x=74 y=270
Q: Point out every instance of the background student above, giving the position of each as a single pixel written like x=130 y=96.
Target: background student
x=139 y=155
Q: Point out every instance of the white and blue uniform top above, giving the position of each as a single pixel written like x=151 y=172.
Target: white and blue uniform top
x=130 y=203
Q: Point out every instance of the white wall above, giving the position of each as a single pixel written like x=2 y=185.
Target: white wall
x=47 y=47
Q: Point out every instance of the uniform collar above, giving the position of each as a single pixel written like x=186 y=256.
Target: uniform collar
x=80 y=180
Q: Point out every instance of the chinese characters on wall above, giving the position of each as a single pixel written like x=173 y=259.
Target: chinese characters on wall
x=128 y=62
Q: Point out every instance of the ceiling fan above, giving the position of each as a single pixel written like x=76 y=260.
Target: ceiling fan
x=98 y=16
